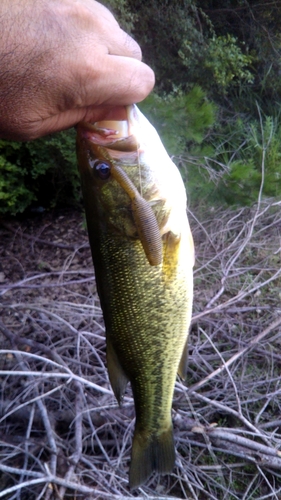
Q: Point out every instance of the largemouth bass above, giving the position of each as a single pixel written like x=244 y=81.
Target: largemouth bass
x=143 y=255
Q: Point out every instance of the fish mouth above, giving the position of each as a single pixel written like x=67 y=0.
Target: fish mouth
x=114 y=133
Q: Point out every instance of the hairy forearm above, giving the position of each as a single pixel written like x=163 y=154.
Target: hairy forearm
x=25 y=62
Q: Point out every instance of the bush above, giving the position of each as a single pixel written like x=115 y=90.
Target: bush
x=181 y=119
x=245 y=160
x=14 y=194
x=42 y=172
x=257 y=163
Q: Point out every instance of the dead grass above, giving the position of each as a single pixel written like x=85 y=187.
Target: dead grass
x=62 y=434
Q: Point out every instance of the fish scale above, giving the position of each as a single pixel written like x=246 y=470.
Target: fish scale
x=146 y=304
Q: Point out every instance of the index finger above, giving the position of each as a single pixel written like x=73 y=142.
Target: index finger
x=126 y=46
x=116 y=40
x=119 y=81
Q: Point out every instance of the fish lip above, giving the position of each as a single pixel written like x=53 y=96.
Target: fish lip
x=112 y=134
x=111 y=126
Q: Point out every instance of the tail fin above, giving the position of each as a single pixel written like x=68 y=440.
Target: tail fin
x=153 y=453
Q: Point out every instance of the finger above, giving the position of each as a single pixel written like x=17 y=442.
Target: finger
x=101 y=23
x=121 y=81
x=69 y=119
x=124 y=45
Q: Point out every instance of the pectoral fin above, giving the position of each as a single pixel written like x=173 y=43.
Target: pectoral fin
x=117 y=377
x=171 y=244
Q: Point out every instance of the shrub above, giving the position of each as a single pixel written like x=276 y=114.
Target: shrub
x=42 y=172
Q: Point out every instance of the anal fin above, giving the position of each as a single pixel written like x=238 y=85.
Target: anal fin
x=182 y=369
x=117 y=376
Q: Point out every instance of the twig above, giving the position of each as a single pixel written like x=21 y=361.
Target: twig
x=236 y=356
x=74 y=459
x=16 y=339
x=50 y=434
x=45 y=242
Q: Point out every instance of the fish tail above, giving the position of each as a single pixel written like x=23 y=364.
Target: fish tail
x=156 y=453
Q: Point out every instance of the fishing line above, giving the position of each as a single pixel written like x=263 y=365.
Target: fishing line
x=140 y=179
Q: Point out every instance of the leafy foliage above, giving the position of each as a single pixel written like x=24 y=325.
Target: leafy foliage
x=187 y=50
x=181 y=119
x=184 y=122
x=244 y=161
x=227 y=62
x=258 y=163
x=42 y=172
x=257 y=25
x=213 y=63
x=121 y=10
x=14 y=195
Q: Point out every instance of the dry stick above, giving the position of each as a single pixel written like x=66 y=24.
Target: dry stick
x=46 y=285
x=20 y=486
x=69 y=376
x=51 y=439
x=216 y=433
x=236 y=356
x=51 y=314
x=272 y=423
x=189 y=485
x=241 y=248
x=209 y=447
x=50 y=434
x=277 y=497
x=240 y=296
x=258 y=453
x=249 y=487
x=26 y=444
x=202 y=228
x=50 y=479
x=16 y=339
x=227 y=370
x=23 y=283
x=241 y=416
x=46 y=422
x=74 y=459
x=252 y=223
x=235 y=413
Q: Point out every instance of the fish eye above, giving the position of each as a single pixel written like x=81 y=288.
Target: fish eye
x=102 y=169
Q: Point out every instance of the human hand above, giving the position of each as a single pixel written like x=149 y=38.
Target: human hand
x=61 y=62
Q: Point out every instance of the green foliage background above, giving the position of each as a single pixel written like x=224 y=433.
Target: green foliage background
x=216 y=105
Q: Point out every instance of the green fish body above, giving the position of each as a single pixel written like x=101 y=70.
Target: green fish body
x=143 y=255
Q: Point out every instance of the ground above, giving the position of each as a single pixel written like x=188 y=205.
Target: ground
x=62 y=434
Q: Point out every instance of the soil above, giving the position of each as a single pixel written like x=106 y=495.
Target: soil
x=45 y=243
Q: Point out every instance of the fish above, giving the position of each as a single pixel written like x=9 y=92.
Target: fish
x=143 y=255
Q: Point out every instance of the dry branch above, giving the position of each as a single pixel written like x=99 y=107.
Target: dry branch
x=236 y=356
x=61 y=432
